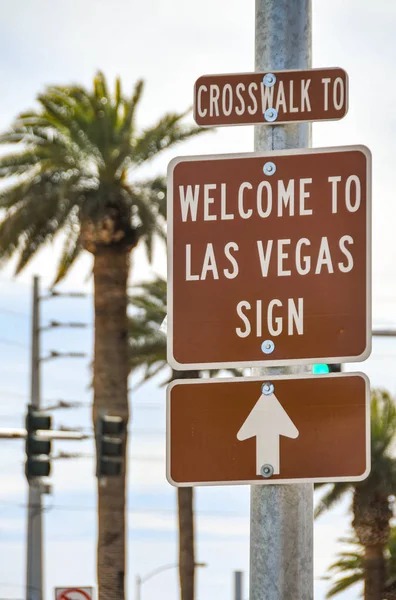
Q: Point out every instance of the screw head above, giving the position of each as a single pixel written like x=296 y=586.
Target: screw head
x=271 y=114
x=269 y=79
x=267 y=471
x=267 y=388
x=269 y=168
x=268 y=346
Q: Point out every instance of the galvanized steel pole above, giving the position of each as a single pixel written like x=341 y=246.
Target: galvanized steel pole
x=281 y=535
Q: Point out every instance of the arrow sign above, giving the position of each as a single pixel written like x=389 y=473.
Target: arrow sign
x=327 y=417
x=267 y=421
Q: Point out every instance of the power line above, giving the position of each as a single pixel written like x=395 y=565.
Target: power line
x=14 y=282
x=77 y=455
x=13 y=343
x=131 y=431
x=14 y=313
x=14 y=394
x=46 y=400
x=134 y=509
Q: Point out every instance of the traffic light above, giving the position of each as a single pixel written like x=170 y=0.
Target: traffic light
x=38 y=450
x=110 y=446
x=322 y=369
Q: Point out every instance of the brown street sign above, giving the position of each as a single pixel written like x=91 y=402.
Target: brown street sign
x=279 y=430
x=269 y=258
x=271 y=98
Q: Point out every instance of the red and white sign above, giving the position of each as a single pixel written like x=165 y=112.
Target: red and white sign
x=279 y=429
x=269 y=258
x=74 y=593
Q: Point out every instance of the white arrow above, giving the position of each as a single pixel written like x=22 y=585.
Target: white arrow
x=267 y=421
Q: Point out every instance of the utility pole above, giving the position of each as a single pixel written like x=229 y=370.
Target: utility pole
x=37 y=485
x=34 y=569
x=281 y=526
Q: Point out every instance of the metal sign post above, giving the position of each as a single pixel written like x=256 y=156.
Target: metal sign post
x=262 y=273
x=281 y=521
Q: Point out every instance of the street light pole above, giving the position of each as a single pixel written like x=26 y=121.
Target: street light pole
x=141 y=580
x=138 y=586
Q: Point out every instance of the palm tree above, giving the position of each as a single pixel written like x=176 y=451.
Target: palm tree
x=71 y=171
x=372 y=502
x=348 y=569
x=147 y=345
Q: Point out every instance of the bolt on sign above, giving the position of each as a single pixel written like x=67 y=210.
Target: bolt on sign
x=269 y=258
x=282 y=430
x=274 y=97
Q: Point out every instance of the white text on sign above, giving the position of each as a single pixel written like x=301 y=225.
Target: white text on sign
x=283 y=257
x=216 y=100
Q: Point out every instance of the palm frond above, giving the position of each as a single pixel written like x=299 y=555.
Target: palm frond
x=16 y=193
x=71 y=250
x=333 y=495
x=147 y=352
x=344 y=584
x=127 y=126
x=382 y=478
x=76 y=152
x=100 y=88
x=17 y=228
x=167 y=132
x=146 y=219
x=383 y=421
x=348 y=568
x=62 y=118
x=22 y=162
x=41 y=232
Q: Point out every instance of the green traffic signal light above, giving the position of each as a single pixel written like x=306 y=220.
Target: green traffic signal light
x=320 y=369
x=323 y=369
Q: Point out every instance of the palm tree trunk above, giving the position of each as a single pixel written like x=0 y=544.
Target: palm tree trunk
x=372 y=515
x=185 y=499
x=111 y=266
x=375 y=572
x=390 y=591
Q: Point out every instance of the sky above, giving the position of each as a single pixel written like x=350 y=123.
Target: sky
x=169 y=44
